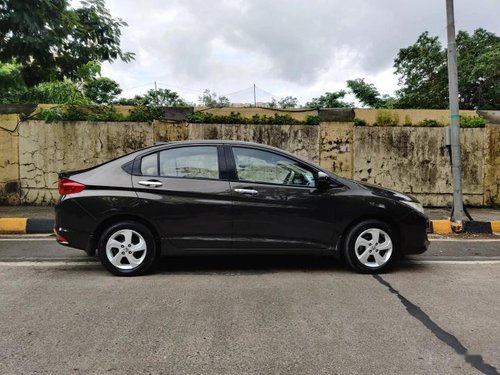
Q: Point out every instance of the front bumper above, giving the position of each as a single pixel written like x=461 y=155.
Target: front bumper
x=413 y=234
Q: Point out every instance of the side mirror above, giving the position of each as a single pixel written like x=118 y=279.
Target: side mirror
x=323 y=180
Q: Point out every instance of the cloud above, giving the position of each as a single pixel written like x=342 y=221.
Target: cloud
x=289 y=47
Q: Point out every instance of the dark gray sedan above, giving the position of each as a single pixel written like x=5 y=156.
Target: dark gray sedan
x=229 y=196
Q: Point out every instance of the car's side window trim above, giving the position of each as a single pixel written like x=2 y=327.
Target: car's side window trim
x=221 y=160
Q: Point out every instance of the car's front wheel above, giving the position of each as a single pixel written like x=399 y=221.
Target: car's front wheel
x=370 y=247
x=127 y=249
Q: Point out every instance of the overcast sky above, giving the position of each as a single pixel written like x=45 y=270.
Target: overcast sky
x=289 y=47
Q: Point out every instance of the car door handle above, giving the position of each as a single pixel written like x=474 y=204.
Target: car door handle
x=151 y=183
x=247 y=191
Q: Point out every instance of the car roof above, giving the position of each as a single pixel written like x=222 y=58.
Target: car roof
x=222 y=141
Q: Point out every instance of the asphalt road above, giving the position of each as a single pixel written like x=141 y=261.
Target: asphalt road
x=61 y=312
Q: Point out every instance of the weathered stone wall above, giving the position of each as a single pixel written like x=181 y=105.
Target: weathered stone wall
x=45 y=149
x=170 y=131
x=492 y=165
x=413 y=115
x=9 y=160
x=336 y=147
x=409 y=159
x=301 y=140
x=415 y=161
x=298 y=114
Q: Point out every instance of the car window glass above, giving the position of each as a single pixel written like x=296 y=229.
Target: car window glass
x=149 y=165
x=193 y=162
x=263 y=166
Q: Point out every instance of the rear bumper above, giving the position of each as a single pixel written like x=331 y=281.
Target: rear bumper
x=70 y=224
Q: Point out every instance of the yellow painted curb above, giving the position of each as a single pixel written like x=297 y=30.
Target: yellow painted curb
x=441 y=226
x=495 y=226
x=13 y=225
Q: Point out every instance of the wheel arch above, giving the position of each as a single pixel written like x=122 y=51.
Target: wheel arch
x=385 y=218
x=107 y=222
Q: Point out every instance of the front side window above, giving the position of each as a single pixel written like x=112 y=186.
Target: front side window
x=190 y=162
x=267 y=167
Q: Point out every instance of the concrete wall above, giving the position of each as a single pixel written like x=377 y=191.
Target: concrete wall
x=415 y=161
x=9 y=159
x=409 y=159
x=301 y=140
x=413 y=115
x=47 y=149
x=336 y=143
x=492 y=165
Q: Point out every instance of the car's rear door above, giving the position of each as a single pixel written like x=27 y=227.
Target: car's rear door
x=276 y=202
x=183 y=190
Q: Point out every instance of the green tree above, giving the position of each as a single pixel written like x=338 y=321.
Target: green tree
x=365 y=92
x=478 y=69
x=59 y=92
x=329 y=100
x=101 y=90
x=423 y=72
x=210 y=99
x=368 y=94
x=51 y=41
x=12 y=85
x=273 y=103
x=163 y=98
x=288 y=102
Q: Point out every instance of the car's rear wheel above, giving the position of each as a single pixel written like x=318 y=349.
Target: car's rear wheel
x=127 y=249
x=370 y=247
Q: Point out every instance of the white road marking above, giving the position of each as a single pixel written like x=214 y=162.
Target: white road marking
x=52 y=263
x=48 y=263
x=21 y=239
x=464 y=239
x=451 y=261
x=52 y=238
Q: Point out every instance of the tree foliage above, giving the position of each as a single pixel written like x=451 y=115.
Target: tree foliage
x=163 y=98
x=59 y=92
x=160 y=97
x=423 y=75
x=11 y=83
x=329 y=100
x=51 y=41
x=210 y=99
x=368 y=95
x=288 y=102
x=101 y=90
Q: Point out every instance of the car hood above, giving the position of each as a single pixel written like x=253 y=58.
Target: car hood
x=386 y=193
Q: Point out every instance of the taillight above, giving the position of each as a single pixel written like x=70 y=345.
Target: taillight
x=62 y=240
x=67 y=186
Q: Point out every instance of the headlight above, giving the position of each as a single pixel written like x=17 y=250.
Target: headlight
x=415 y=205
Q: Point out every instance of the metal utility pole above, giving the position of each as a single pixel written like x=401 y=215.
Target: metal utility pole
x=156 y=94
x=254 y=97
x=456 y=162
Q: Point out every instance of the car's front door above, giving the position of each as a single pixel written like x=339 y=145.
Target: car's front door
x=276 y=202
x=185 y=194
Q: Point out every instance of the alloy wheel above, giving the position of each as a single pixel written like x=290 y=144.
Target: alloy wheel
x=126 y=249
x=373 y=248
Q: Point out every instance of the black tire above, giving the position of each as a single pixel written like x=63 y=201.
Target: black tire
x=146 y=258
x=370 y=265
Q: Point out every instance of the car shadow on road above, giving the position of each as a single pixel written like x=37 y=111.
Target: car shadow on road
x=247 y=264
x=258 y=264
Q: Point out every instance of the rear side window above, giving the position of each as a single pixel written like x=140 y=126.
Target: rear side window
x=149 y=165
x=190 y=162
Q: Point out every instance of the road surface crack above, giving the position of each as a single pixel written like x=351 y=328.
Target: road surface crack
x=474 y=360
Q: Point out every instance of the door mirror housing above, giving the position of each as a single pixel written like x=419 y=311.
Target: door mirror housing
x=323 y=180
